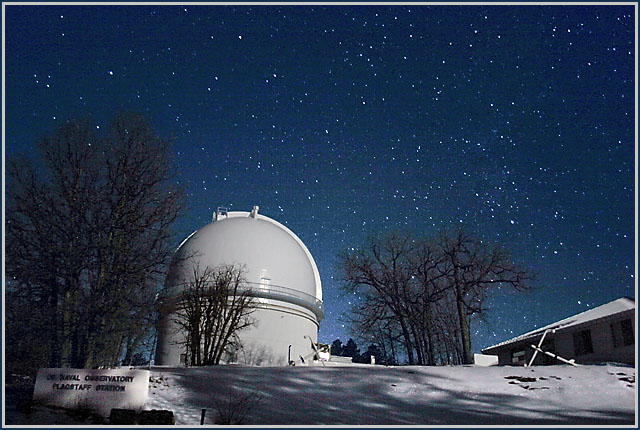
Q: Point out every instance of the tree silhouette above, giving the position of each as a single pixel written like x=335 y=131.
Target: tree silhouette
x=336 y=347
x=87 y=242
x=351 y=349
x=425 y=292
x=211 y=309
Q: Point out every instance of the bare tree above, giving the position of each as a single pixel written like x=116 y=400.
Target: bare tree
x=380 y=330
x=429 y=287
x=399 y=280
x=473 y=268
x=213 y=307
x=380 y=273
x=88 y=237
x=425 y=292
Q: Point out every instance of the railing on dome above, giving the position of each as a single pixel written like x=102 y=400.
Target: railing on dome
x=270 y=291
x=267 y=291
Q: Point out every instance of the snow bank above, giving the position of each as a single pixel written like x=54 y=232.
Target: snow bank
x=378 y=395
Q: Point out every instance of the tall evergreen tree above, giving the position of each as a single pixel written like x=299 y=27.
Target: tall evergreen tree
x=351 y=349
x=336 y=347
x=373 y=351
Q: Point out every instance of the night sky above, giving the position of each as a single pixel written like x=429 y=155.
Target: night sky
x=343 y=121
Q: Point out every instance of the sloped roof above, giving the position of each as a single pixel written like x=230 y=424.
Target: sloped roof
x=617 y=306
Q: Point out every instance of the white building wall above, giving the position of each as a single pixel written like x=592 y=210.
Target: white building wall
x=266 y=343
x=170 y=342
x=601 y=339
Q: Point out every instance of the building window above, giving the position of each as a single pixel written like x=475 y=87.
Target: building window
x=517 y=356
x=582 y=342
x=622 y=333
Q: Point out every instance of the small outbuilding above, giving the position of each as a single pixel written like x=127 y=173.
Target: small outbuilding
x=602 y=334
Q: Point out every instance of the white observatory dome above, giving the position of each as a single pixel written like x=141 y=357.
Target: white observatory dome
x=278 y=269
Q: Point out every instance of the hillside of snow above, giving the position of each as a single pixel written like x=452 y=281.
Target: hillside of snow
x=378 y=395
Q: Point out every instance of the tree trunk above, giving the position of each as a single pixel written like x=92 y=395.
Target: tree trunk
x=418 y=345
x=429 y=333
x=467 y=357
x=407 y=340
x=54 y=328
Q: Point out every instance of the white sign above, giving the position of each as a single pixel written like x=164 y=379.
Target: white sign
x=485 y=360
x=99 y=390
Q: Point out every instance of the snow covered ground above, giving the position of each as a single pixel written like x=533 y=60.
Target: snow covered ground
x=378 y=395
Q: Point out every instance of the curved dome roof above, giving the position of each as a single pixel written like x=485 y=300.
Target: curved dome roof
x=270 y=253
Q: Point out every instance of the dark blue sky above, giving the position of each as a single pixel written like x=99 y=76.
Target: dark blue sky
x=342 y=121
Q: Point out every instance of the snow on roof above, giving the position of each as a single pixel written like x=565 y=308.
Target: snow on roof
x=617 y=306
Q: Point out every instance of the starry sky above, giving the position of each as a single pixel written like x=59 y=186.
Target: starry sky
x=344 y=121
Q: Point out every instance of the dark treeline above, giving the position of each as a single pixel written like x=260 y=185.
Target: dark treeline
x=417 y=297
x=87 y=242
x=350 y=349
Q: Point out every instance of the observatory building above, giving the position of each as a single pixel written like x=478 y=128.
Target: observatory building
x=279 y=271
